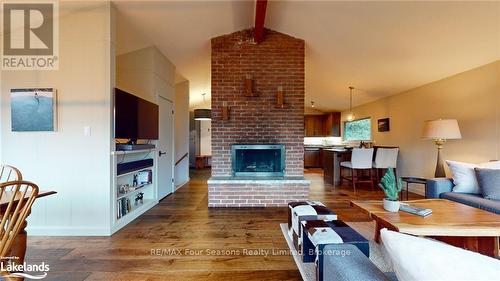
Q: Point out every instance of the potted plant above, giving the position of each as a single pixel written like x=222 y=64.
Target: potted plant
x=391 y=187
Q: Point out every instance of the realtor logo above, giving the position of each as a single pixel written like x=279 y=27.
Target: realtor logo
x=30 y=36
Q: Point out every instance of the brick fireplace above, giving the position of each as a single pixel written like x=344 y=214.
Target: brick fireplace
x=255 y=120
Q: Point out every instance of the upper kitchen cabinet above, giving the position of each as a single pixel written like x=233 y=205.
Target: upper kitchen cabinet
x=332 y=124
x=314 y=126
x=326 y=125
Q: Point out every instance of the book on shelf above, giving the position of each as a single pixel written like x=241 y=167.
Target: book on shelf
x=124 y=207
x=423 y=212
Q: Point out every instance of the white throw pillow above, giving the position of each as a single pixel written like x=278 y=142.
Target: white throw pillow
x=414 y=258
x=464 y=177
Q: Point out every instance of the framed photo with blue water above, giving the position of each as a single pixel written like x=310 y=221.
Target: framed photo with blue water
x=33 y=110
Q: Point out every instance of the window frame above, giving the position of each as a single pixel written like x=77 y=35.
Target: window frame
x=364 y=118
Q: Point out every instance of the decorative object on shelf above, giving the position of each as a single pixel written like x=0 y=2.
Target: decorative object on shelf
x=203 y=113
x=249 y=86
x=384 y=125
x=280 y=99
x=135 y=182
x=123 y=189
x=145 y=177
x=139 y=199
x=391 y=187
x=33 y=110
x=350 y=116
x=225 y=111
x=441 y=130
x=365 y=144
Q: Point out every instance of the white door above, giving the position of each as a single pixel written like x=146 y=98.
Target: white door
x=165 y=148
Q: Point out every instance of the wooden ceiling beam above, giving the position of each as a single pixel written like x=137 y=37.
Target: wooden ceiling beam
x=260 y=17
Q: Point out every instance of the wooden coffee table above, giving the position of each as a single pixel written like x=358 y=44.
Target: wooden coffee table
x=453 y=223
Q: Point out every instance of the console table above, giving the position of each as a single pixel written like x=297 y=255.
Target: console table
x=202 y=161
x=413 y=180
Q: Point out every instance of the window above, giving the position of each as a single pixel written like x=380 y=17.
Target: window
x=358 y=130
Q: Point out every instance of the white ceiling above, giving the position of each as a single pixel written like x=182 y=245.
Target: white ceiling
x=381 y=48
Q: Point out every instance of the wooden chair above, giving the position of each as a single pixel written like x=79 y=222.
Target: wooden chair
x=16 y=198
x=9 y=173
x=361 y=160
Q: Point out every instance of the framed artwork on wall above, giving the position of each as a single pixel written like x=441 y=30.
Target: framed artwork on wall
x=384 y=125
x=33 y=110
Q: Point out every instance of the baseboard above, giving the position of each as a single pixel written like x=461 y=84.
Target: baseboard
x=182 y=184
x=67 y=231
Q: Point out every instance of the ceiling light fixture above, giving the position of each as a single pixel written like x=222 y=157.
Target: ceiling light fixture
x=350 y=116
x=203 y=114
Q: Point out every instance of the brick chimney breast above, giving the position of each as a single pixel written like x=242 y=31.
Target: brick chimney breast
x=277 y=61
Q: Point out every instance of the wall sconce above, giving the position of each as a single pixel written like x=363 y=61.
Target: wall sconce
x=225 y=111
x=280 y=98
x=249 y=86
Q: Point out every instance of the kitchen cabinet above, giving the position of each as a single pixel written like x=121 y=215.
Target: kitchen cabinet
x=321 y=158
x=312 y=157
x=332 y=124
x=328 y=156
x=331 y=166
x=325 y=125
x=314 y=126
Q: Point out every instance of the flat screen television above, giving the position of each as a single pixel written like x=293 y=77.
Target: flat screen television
x=135 y=118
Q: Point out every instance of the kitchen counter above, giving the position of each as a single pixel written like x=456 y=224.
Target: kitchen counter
x=323 y=146
x=314 y=154
x=331 y=163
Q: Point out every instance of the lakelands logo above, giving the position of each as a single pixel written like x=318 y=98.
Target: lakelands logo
x=20 y=270
x=30 y=35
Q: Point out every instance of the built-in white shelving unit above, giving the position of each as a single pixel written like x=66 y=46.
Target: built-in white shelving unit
x=135 y=208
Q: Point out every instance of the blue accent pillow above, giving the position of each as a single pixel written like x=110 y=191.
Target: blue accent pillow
x=489 y=182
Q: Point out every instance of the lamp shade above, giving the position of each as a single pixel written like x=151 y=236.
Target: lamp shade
x=441 y=129
x=202 y=114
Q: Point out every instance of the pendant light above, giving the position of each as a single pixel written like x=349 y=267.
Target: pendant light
x=203 y=114
x=350 y=116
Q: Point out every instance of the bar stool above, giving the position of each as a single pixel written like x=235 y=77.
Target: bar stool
x=361 y=160
x=386 y=158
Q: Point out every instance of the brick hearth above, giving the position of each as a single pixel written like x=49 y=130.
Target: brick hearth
x=277 y=61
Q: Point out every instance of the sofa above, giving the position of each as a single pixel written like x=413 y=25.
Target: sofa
x=442 y=188
x=346 y=262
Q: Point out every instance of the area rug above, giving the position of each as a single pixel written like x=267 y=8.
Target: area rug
x=366 y=229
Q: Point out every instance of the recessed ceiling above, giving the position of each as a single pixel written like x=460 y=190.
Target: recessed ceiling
x=381 y=48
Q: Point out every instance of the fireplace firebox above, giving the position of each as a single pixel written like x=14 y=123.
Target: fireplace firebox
x=258 y=160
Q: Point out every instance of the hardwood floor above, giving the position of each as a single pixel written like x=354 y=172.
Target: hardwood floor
x=183 y=222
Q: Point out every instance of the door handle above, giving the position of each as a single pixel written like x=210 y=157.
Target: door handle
x=160 y=153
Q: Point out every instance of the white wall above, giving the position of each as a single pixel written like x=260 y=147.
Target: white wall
x=471 y=97
x=181 y=116
x=75 y=166
x=205 y=137
x=146 y=73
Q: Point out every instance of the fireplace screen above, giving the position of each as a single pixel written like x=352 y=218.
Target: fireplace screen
x=258 y=160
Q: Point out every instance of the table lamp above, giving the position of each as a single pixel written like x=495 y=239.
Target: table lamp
x=441 y=130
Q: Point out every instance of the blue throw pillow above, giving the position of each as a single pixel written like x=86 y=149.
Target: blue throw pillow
x=489 y=182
